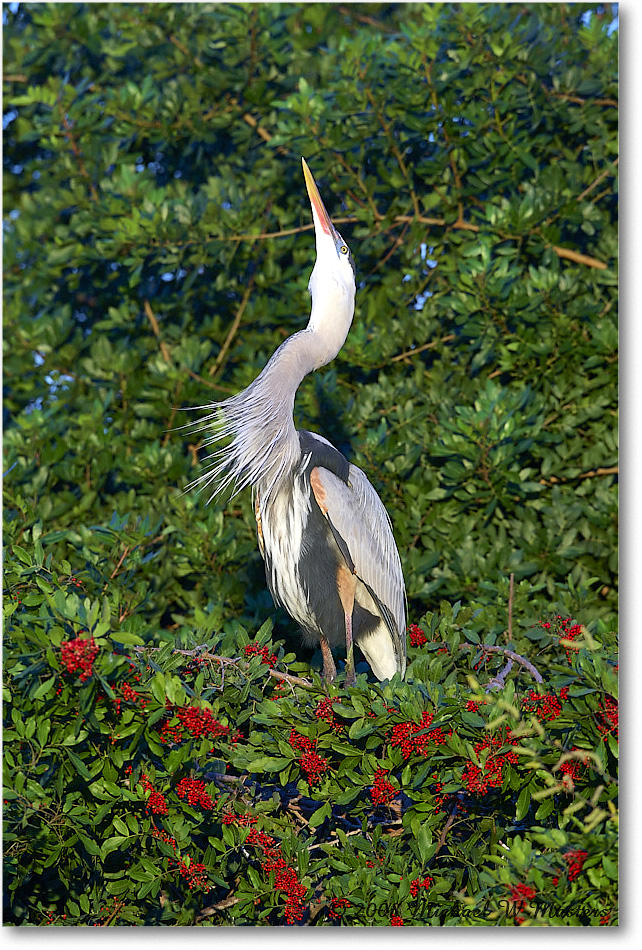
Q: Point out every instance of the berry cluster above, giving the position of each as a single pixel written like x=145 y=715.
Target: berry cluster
x=545 y=706
x=286 y=878
x=575 y=768
x=575 y=861
x=396 y=921
x=312 y=764
x=519 y=894
x=194 y=789
x=79 y=655
x=564 y=629
x=491 y=773
x=382 y=791
x=193 y=722
x=268 y=659
x=337 y=907
x=608 y=716
x=405 y=735
x=243 y=821
x=324 y=711
x=417 y=637
x=193 y=872
x=129 y=695
x=163 y=836
x=419 y=883
x=109 y=912
x=156 y=803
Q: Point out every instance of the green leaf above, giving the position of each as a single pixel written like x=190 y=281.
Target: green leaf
x=79 y=765
x=319 y=816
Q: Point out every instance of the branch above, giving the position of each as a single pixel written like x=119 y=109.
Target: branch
x=206 y=382
x=155 y=327
x=595 y=473
x=569 y=255
x=459 y=225
x=231 y=661
x=293 y=680
x=233 y=329
x=420 y=349
x=499 y=681
x=67 y=126
x=512 y=656
x=599 y=178
x=577 y=100
x=442 y=837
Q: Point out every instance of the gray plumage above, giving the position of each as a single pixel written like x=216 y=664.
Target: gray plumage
x=330 y=555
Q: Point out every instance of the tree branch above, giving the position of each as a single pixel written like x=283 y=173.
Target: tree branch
x=155 y=327
x=595 y=473
x=516 y=657
x=233 y=329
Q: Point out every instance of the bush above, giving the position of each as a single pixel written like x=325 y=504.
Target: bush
x=157 y=250
x=214 y=784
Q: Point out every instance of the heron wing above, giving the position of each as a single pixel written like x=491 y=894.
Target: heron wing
x=362 y=529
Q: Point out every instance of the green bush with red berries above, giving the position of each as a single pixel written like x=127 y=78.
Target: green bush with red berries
x=214 y=780
x=171 y=754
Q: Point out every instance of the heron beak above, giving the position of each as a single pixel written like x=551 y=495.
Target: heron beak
x=320 y=215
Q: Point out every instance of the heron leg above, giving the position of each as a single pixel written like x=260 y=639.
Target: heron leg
x=346 y=587
x=329 y=669
x=351 y=677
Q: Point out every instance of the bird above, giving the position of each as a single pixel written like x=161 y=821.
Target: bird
x=323 y=532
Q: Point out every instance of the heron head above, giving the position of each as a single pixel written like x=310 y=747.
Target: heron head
x=334 y=268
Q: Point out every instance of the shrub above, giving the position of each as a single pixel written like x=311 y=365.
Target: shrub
x=220 y=783
x=168 y=758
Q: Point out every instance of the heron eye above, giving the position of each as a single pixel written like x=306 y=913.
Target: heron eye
x=343 y=249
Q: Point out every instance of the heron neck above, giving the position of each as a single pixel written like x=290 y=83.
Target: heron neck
x=265 y=445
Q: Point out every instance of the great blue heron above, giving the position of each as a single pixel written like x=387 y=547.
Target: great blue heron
x=330 y=556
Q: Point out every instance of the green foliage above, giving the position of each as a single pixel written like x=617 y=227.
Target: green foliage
x=157 y=250
x=355 y=794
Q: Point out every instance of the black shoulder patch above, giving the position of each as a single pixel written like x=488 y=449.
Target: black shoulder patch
x=324 y=455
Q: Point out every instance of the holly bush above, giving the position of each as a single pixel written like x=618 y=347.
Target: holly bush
x=208 y=777
x=171 y=754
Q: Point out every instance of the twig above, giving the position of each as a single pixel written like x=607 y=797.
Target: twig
x=395 y=244
x=206 y=382
x=420 y=349
x=459 y=225
x=595 y=473
x=577 y=100
x=499 y=681
x=233 y=329
x=601 y=177
x=511 y=588
x=155 y=327
x=442 y=837
x=362 y=18
x=185 y=51
x=231 y=661
x=254 y=124
x=289 y=678
x=570 y=255
x=513 y=656
x=214 y=908
x=122 y=558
